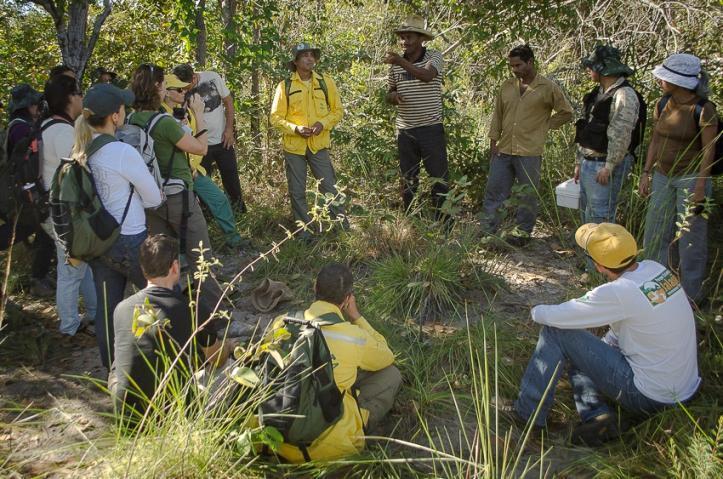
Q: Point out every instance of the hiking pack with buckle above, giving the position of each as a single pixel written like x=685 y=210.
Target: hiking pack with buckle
x=82 y=224
x=25 y=190
x=716 y=168
x=139 y=137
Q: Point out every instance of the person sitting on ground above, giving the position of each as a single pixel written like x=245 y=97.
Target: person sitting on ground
x=176 y=104
x=646 y=362
x=364 y=367
x=140 y=345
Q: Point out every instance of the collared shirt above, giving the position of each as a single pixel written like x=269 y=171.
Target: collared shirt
x=623 y=117
x=520 y=122
x=306 y=105
x=421 y=103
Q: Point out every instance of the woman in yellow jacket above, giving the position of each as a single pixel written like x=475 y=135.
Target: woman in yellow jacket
x=306 y=107
x=364 y=369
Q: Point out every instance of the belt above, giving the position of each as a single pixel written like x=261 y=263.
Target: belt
x=595 y=158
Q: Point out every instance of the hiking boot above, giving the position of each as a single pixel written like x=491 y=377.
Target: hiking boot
x=42 y=288
x=597 y=431
x=517 y=241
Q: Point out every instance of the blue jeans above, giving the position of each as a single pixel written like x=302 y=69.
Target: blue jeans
x=594 y=369
x=504 y=170
x=668 y=199
x=111 y=273
x=72 y=281
x=599 y=202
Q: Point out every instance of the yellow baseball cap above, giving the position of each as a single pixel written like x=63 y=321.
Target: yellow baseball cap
x=608 y=244
x=172 y=81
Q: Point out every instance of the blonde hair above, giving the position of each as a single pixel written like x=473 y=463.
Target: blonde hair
x=85 y=126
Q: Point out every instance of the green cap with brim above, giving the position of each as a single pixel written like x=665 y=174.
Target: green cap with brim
x=105 y=99
x=300 y=48
x=605 y=60
x=23 y=96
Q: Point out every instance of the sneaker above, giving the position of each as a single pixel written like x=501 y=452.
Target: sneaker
x=42 y=288
x=597 y=431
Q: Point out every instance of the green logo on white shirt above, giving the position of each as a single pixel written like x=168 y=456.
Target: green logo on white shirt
x=660 y=288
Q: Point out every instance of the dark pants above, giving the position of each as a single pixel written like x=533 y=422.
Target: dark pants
x=225 y=159
x=43 y=246
x=111 y=273
x=425 y=144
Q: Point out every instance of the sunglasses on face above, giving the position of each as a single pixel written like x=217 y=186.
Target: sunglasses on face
x=177 y=90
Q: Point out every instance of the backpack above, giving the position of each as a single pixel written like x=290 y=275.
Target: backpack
x=24 y=172
x=322 y=87
x=591 y=132
x=716 y=169
x=303 y=399
x=82 y=224
x=140 y=138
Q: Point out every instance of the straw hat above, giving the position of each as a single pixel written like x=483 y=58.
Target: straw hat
x=415 y=24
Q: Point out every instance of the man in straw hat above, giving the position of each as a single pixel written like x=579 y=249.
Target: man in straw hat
x=518 y=129
x=607 y=135
x=306 y=107
x=647 y=361
x=415 y=87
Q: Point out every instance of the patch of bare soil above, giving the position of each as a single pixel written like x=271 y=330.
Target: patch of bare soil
x=53 y=410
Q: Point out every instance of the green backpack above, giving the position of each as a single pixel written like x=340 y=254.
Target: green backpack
x=82 y=224
x=303 y=399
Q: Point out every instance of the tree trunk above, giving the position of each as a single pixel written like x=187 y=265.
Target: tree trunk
x=256 y=112
x=201 y=45
x=228 y=12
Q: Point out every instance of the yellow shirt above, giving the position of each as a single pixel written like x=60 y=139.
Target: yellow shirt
x=353 y=346
x=193 y=160
x=306 y=105
x=520 y=122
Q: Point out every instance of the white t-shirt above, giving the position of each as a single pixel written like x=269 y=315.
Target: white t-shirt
x=57 y=144
x=115 y=167
x=650 y=316
x=213 y=90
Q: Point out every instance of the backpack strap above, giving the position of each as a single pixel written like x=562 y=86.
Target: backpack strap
x=327 y=319
x=324 y=88
x=95 y=146
x=661 y=104
x=698 y=112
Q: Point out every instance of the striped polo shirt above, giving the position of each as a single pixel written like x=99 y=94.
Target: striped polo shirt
x=421 y=102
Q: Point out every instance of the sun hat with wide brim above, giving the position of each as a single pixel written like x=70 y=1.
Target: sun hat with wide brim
x=300 y=48
x=268 y=294
x=23 y=96
x=415 y=24
x=682 y=69
x=605 y=60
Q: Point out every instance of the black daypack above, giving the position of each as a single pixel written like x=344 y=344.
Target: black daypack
x=82 y=224
x=25 y=173
x=303 y=399
x=591 y=129
x=716 y=169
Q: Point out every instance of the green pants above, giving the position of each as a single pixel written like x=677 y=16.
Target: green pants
x=217 y=202
x=377 y=390
x=321 y=168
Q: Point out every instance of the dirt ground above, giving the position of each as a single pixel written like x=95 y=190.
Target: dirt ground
x=52 y=407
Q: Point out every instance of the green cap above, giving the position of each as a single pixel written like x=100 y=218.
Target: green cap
x=300 y=48
x=104 y=99
x=605 y=60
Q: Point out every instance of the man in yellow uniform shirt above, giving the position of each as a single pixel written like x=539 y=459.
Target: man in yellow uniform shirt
x=364 y=369
x=305 y=109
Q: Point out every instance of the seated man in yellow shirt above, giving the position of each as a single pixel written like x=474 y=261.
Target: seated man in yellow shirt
x=364 y=369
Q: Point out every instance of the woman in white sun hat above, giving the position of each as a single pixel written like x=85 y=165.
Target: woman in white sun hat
x=677 y=170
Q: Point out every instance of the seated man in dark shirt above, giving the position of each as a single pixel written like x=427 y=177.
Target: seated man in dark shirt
x=152 y=327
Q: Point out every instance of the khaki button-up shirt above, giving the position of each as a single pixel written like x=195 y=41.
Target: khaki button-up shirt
x=520 y=122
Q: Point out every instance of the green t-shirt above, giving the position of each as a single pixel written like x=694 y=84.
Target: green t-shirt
x=166 y=134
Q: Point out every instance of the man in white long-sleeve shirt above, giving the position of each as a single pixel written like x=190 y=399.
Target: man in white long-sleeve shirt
x=646 y=362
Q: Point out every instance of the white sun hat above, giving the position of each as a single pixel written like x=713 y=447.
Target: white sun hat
x=682 y=69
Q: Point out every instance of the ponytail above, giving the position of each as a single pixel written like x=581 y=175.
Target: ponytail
x=83 y=136
x=703 y=88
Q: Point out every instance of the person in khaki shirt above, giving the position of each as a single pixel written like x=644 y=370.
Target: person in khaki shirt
x=519 y=125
